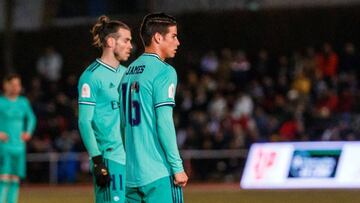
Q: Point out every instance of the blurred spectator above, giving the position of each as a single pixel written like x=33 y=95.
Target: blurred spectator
x=350 y=61
x=209 y=62
x=282 y=75
x=262 y=124
x=309 y=63
x=217 y=106
x=302 y=84
x=224 y=73
x=327 y=103
x=346 y=101
x=49 y=65
x=262 y=65
x=243 y=106
x=327 y=63
x=240 y=69
x=36 y=91
x=289 y=130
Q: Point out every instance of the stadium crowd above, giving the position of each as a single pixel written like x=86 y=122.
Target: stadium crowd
x=227 y=100
x=232 y=102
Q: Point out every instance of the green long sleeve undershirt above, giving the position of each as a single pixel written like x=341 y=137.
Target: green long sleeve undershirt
x=30 y=121
x=86 y=113
x=165 y=124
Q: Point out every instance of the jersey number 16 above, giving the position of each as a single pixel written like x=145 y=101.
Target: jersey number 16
x=133 y=105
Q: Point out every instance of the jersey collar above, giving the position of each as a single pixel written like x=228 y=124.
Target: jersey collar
x=152 y=54
x=156 y=56
x=108 y=66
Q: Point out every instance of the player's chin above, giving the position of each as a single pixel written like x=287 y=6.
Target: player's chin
x=124 y=58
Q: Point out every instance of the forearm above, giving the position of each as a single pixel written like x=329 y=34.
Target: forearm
x=167 y=137
x=31 y=122
x=86 y=131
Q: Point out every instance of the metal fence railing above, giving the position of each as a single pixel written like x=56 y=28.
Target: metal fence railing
x=53 y=159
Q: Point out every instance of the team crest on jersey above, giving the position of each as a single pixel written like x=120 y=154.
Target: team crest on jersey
x=171 y=91
x=85 y=91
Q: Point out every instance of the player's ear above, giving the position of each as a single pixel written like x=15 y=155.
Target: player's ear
x=110 y=42
x=157 y=38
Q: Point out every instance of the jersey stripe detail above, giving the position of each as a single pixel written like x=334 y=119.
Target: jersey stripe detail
x=177 y=193
x=180 y=195
x=172 y=189
x=106 y=65
x=87 y=103
x=121 y=182
x=91 y=69
x=164 y=104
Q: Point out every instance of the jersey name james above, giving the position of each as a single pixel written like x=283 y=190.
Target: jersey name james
x=135 y=70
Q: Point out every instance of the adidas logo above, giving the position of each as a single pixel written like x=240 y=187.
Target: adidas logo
x=111 y=85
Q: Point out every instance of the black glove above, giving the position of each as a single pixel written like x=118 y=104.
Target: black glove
x=101 y=173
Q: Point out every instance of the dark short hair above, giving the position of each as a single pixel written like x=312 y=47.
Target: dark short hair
x=10 y=77
x=155 y=23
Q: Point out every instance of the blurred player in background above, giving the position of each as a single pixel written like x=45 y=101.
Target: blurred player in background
x=17 y=123
x=154 y=168
x=99 y=115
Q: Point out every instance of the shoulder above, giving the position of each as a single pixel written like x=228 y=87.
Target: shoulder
x=152 y=60
x=92 y=71
x=168 y=70
x=91 y=75
x=86 y=78
x=162 y=67
x=23 y=100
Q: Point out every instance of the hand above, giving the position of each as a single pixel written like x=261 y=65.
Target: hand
x=3 y=137
x=101 y=173
x=25 y=136
x=180 y=179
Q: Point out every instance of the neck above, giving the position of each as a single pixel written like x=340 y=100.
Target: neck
x=11 y=96
x=110 y=59
x=154 y=50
